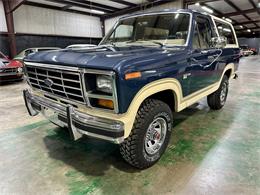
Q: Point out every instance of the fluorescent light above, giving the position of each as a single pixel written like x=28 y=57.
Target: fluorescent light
x=97 y=11
x=220 y=27
x=227 y=19
x=197 y=4
x=226 y=29
x=248 y=30
x=207 y=9
x=241 y=27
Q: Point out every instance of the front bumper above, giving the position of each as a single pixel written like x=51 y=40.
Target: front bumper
x=77 y=122
x=10 y=76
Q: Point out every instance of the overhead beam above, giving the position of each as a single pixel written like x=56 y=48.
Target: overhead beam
x=127 y=3
x=94 y=5
x=248 y=11
x=254 y=5
x=247 y=22
x=13 y=4
x=81 y=5
x=189 y=2
x=137 y=8
x=230 y=3
x=214 y=10
x=59 y=8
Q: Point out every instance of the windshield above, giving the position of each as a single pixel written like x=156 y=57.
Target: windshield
x=162 y=29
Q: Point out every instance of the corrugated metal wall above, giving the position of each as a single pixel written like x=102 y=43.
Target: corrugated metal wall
x=34 y=20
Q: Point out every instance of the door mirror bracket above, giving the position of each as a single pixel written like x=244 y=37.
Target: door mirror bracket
x=218 y=42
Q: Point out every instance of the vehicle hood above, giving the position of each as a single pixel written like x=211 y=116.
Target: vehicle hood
x=102 y=57
x=9 y=64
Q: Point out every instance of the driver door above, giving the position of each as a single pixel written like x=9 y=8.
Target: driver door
x=203 y=58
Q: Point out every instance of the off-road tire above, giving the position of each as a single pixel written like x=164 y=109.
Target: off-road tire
x=133 y=148
x=214 y=99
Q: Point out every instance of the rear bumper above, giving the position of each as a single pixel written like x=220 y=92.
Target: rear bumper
x=77 y=122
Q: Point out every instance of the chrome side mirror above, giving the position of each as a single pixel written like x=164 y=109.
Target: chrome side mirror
x=218 y=42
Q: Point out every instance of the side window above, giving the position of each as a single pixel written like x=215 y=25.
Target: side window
x=225 y=30
x=202 y=34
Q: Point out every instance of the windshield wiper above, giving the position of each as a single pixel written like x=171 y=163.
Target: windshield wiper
x=158 y=43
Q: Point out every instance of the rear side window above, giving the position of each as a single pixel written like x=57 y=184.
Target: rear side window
x=225 y=30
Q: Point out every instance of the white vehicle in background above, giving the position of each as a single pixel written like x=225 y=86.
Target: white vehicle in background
x=80 y=46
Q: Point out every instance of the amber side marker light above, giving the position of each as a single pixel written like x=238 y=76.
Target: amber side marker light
x=106 y=103
x=132 y=75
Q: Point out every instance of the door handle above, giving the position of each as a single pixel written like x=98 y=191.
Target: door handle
x=186 y=75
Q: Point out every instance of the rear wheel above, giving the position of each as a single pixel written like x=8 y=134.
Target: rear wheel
x=218 y=99
x=150 y=134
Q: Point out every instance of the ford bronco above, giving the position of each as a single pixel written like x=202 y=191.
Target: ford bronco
x=125 y=89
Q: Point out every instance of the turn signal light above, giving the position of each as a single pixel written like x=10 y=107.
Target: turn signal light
x=132 y=75
x=106 y=103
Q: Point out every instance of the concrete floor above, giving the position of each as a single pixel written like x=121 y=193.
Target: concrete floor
x=211 y=152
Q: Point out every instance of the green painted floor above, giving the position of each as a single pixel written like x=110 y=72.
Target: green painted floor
x=211 y=152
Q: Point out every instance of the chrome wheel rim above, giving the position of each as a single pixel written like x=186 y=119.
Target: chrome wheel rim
x=223 y=93
x=155 y=135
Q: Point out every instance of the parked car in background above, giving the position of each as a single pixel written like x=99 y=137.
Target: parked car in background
x=10 y=70
x=254 y=51
x=80 y=46
x=28 y=51
x=245 y=51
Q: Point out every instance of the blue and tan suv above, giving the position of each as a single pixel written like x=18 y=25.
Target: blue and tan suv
x=126 y=89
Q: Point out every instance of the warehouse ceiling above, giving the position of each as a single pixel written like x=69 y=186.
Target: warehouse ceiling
x=244 y=14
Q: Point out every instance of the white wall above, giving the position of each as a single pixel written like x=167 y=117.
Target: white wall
x=109 y=23
x=3 y=27
x=35 y=20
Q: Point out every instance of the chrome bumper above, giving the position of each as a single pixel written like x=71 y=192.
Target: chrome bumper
x=77 y=122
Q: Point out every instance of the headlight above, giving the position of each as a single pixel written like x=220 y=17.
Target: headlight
x=104 y=83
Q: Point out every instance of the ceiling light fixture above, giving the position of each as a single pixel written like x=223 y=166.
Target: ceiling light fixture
x=226 y=29
x=197 y=4
x=207 y=9
x=97 y=11
x=241 y=26
x=248 y=30
x=229 y=20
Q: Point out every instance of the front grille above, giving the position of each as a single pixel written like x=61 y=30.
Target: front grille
x=65 y=84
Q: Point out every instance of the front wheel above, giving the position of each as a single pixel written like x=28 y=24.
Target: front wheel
x=218 y=99
x=150 y=134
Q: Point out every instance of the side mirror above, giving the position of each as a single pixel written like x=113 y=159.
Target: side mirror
x=219 y=42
